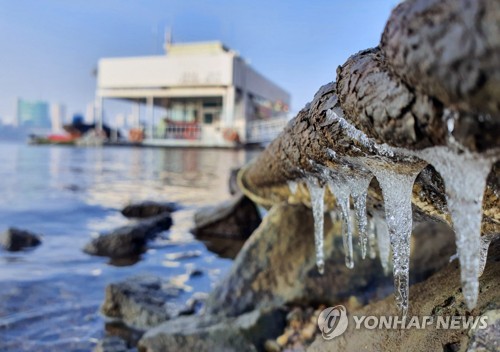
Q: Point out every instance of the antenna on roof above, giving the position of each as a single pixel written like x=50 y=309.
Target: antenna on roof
x=168 y=38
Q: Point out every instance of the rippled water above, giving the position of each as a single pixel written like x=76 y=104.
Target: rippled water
x=50 y=296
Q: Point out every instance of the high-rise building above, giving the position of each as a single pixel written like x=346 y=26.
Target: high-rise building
x=33 y=114
x=57 y=116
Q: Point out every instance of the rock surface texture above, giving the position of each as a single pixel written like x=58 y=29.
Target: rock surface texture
x=14 y=239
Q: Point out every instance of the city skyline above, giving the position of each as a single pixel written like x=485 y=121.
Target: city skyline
x=52 y=47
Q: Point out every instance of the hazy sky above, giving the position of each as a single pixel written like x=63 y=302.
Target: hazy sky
x=48 y=48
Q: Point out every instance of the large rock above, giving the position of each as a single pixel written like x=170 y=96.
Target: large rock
x=247 y=332
x=15 y=239
x=148 y=209
x=225 y=227
x=128 y=241
x=440 y=295
x=142 y=302
x=277 y=266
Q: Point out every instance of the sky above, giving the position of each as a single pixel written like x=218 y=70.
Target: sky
x=49 y=48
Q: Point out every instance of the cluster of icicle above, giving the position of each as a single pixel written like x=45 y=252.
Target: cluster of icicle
x=464 y=175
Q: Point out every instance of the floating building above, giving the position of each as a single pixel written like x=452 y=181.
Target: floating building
x=208 y=96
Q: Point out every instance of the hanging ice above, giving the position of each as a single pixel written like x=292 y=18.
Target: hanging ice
x=292 y=185
x=372 y=251
x=384 y=244
x=483 y=253
x=359 y=189
x=464 y=178
x=317 y=194
x=341 y=192
x=397 y=192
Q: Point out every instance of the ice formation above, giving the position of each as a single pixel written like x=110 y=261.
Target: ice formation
x=292 y=185
x=340 y=190
x=359 y=189
x=384 y=244
x=372 y=240
x=317 y=194
x=464 y=178
x=397 y=192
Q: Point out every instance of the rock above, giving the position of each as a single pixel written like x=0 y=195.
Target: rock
x=487 y=339
x=440 y=295
x=226 y=226
x=233 y=183
x=247 y=332
x=148 y=209
x=277 y=266
x=14 y=239
x=128 y=241
x=112 y=344
x=142 y=302
x=117 y=328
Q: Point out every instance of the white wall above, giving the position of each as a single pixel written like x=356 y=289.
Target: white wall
x=165 y=71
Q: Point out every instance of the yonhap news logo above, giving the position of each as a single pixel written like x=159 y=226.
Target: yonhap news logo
x=333 y=322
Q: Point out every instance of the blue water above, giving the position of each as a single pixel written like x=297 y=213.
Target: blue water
x=50 y=296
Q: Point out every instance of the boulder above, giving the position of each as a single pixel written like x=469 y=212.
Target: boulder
x=142 y=302
x=112 y=344
x=148 y=209
x=247 y=332
x=14 y=239
x=128 y=241
x=277 y=266
x=225 y=227
x=440 y=295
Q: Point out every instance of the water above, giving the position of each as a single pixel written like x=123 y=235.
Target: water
x=50 y=296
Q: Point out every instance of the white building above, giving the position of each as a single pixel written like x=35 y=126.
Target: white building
x=207 y=94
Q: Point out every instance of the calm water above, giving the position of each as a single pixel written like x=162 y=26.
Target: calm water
x=50 y=296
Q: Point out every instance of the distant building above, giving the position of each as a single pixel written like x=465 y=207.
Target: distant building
x=210 y=96
x=33 y=114
x=57 y=117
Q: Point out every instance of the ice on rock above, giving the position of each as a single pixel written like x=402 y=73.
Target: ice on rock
x=384 y=244
x=464 y=178
x=359 y=189
x=397 y=192
x=317 y=194
x=292 y=185
x=340 y=190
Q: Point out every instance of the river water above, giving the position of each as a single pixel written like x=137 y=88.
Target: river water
x=50 y=296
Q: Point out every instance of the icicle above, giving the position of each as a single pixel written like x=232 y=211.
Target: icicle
x=397 y=192
x=341 y=193
x=292 y=185
x=317 y=194
x=359 y=189
x=464 y=178
x=372 y=240
x=384 y=244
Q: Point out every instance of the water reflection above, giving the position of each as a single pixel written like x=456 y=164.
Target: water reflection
x=49 y=297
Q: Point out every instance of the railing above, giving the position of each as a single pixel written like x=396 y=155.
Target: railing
x=190 y=131
x=265 y=131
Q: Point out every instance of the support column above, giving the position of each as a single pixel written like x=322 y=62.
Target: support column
x=228 y=106
x=98 y=112
x=150 y=115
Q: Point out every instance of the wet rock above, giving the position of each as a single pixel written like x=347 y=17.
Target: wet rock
x=112 y=344
x=226 y=226
x=142 y=302
x=247 y=332
x=440 y=295
x=14 y=239
x=128 y=241
x=277 y=266
x=119 y=329
x=148 y=209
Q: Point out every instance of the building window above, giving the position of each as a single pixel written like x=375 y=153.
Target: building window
x=208 y=118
